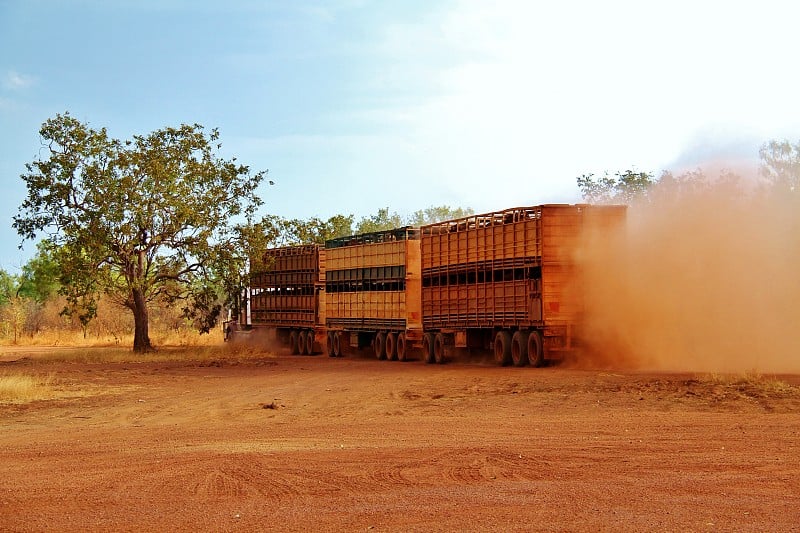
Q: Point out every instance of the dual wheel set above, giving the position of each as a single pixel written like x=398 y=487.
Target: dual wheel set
x=386 y=345
x=301 y=341
x=519 y=348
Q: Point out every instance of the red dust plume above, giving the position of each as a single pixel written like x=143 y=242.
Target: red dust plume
x=705 y=279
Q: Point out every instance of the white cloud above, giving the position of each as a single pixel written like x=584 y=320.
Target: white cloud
x=518 y=98
x=15 y=81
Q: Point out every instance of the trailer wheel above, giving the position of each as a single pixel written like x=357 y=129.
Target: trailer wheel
x=427 y=348
x=502 y=348
x=519 y=348
x=391 y=346
x=301 y=342
x=535 y=349
x=438 y=349
x=294 y=347
x=379 y=345
x=401 y=347
x=310 y=338
x=337 y=344
x=329 y=344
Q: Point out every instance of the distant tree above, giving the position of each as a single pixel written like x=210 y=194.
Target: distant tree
x=625 y=188
x=381 y=221
x=8 y=287
x=337 y=226
x=633 y=186
x=40 y=275
x=12 y=306
x=138 y=220
x=13 y=315
x=597 y=190
x=315 y=230
x=780 y=164
x=434 y=214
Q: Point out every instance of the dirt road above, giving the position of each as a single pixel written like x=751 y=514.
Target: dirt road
x=317 y=444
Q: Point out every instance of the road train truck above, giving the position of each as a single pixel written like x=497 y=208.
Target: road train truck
x=507 y=281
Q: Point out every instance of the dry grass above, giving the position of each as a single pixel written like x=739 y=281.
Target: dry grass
x=173 y=345
x=750 y=384
x=76 y=339
x=21 y=388
x=105 y=354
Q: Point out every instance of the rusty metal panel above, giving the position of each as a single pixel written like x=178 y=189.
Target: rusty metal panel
x=561 y=226
x=285 y=291
x=479 y=271
x=413 y=288
x=477 y=305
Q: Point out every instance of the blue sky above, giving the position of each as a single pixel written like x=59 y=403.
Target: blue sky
x=354 y=105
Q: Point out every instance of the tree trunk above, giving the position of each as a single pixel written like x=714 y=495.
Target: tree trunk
x=141 y=335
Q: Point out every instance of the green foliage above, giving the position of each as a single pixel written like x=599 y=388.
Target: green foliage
x=435 y=214
x=137 y=220
x=204 y=308
x=81 y=283
x=384 y=220
x=9 y=286
x=625 y=188
x=232 y=264
x=315 y=230
x=41 y=274
x=381 y=221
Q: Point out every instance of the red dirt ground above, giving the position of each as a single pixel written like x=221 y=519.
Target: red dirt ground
x=288 y=443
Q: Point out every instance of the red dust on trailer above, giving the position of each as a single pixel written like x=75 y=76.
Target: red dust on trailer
x=507 y=281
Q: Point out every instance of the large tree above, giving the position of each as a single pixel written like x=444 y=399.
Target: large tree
x=137 y=220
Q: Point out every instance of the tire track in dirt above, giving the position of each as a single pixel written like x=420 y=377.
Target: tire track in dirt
x=237 y=476
x=477 y=465
x=468 y=466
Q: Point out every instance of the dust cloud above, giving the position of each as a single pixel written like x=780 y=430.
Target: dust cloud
x=703 y=277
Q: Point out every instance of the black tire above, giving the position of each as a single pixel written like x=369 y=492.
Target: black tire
x=401 y=347
x=379 y=345
x=391 y=346
x=535 y=349
x=329 y=344
x=301 y=342
x=310 y=339
x=439 y=353
x=427 y=348
x=337 y=344
x=519 y=348
x=502 y=348
x=294 y=347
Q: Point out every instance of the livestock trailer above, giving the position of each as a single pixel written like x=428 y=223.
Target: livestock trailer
x=287 y=297
x=373 y=299
x=507 y=281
